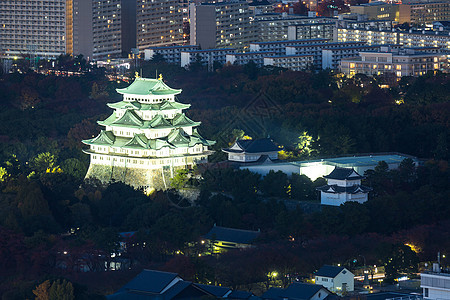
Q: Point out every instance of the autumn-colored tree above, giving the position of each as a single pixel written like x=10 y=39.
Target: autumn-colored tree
x=44 y=162
x=61 y=290
x=42 y=291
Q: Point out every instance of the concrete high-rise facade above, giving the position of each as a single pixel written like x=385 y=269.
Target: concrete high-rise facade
x=101 y=29
x=221 y=24
x=160 y=22
x=32 y=28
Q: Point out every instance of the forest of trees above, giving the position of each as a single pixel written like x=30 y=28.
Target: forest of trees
x=49 y=215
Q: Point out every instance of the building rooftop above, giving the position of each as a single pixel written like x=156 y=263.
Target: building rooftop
x=295 y=290
x=344 y=174
x=363 y=160
x=210 y=50
x=253 y=146
x=150 y=281
x=329 y=271
x=173 y=47
x=226 y=234
x=217 y=291
x=287 y=42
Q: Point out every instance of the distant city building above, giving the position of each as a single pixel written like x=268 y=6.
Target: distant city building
x=377 y=10
x=247 y=57
x=376 y=25
x=147 y=138
x=406 y=38
x=160 y=23
x=245 y=151
x=435 y=283
x=259 y=7
x=221 y=24
x=336 y=279
x=171 y=54
x=224 y=238
x=316 y=51
x=406 y=62
x=279 y=47
x=205 y=57
x=33 y=29
x=275 y=26
x=312 y=31
x=343 y=185
x=298 y=290
x=331 y=57
x=424 y=12
x=296 y=62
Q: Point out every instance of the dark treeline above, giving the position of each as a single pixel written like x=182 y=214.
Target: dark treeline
x=44 y=118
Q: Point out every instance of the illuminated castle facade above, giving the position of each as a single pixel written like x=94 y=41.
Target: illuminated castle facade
x=147 y=138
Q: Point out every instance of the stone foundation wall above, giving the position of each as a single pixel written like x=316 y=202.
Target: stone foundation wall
x=158 y=179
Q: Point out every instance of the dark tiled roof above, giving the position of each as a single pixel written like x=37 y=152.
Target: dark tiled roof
x=240 y=295
x=273 y=293
x=343 y=173
x=176 y=289
x=296 y=290
x=300 y=290
x=354 y=189
x=217 y=291
x=329 y=271
x=232 y=235
x=150 y=281
x=254 y=146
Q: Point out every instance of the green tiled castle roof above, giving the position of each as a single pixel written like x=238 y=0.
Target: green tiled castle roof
x=148 y=86
x=131 y=119
x=176 y=138
x=165 y=105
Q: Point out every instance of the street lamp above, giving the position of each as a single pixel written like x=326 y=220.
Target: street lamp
x=366 y=274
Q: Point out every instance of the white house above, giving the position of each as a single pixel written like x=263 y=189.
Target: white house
x=335 y=279
x=343 y=185
x=435 y=284
x=260 y=150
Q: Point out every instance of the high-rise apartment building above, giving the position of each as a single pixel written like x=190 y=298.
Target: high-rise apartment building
x=160 y=22
x=32 y=28
x=101 y=29
x=221 y=24
x=424 y=12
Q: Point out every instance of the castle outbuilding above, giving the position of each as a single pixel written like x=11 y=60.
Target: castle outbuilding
x=147 y=138
x=343 y=185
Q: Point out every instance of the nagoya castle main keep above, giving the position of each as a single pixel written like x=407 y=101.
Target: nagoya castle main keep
x=147 y=138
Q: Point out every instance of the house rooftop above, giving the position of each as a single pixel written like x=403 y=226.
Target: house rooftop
x=150 y=281
x=297 y=290
x=329 y=271
x=253 y=146
x=217 y=291
x=226 y=234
